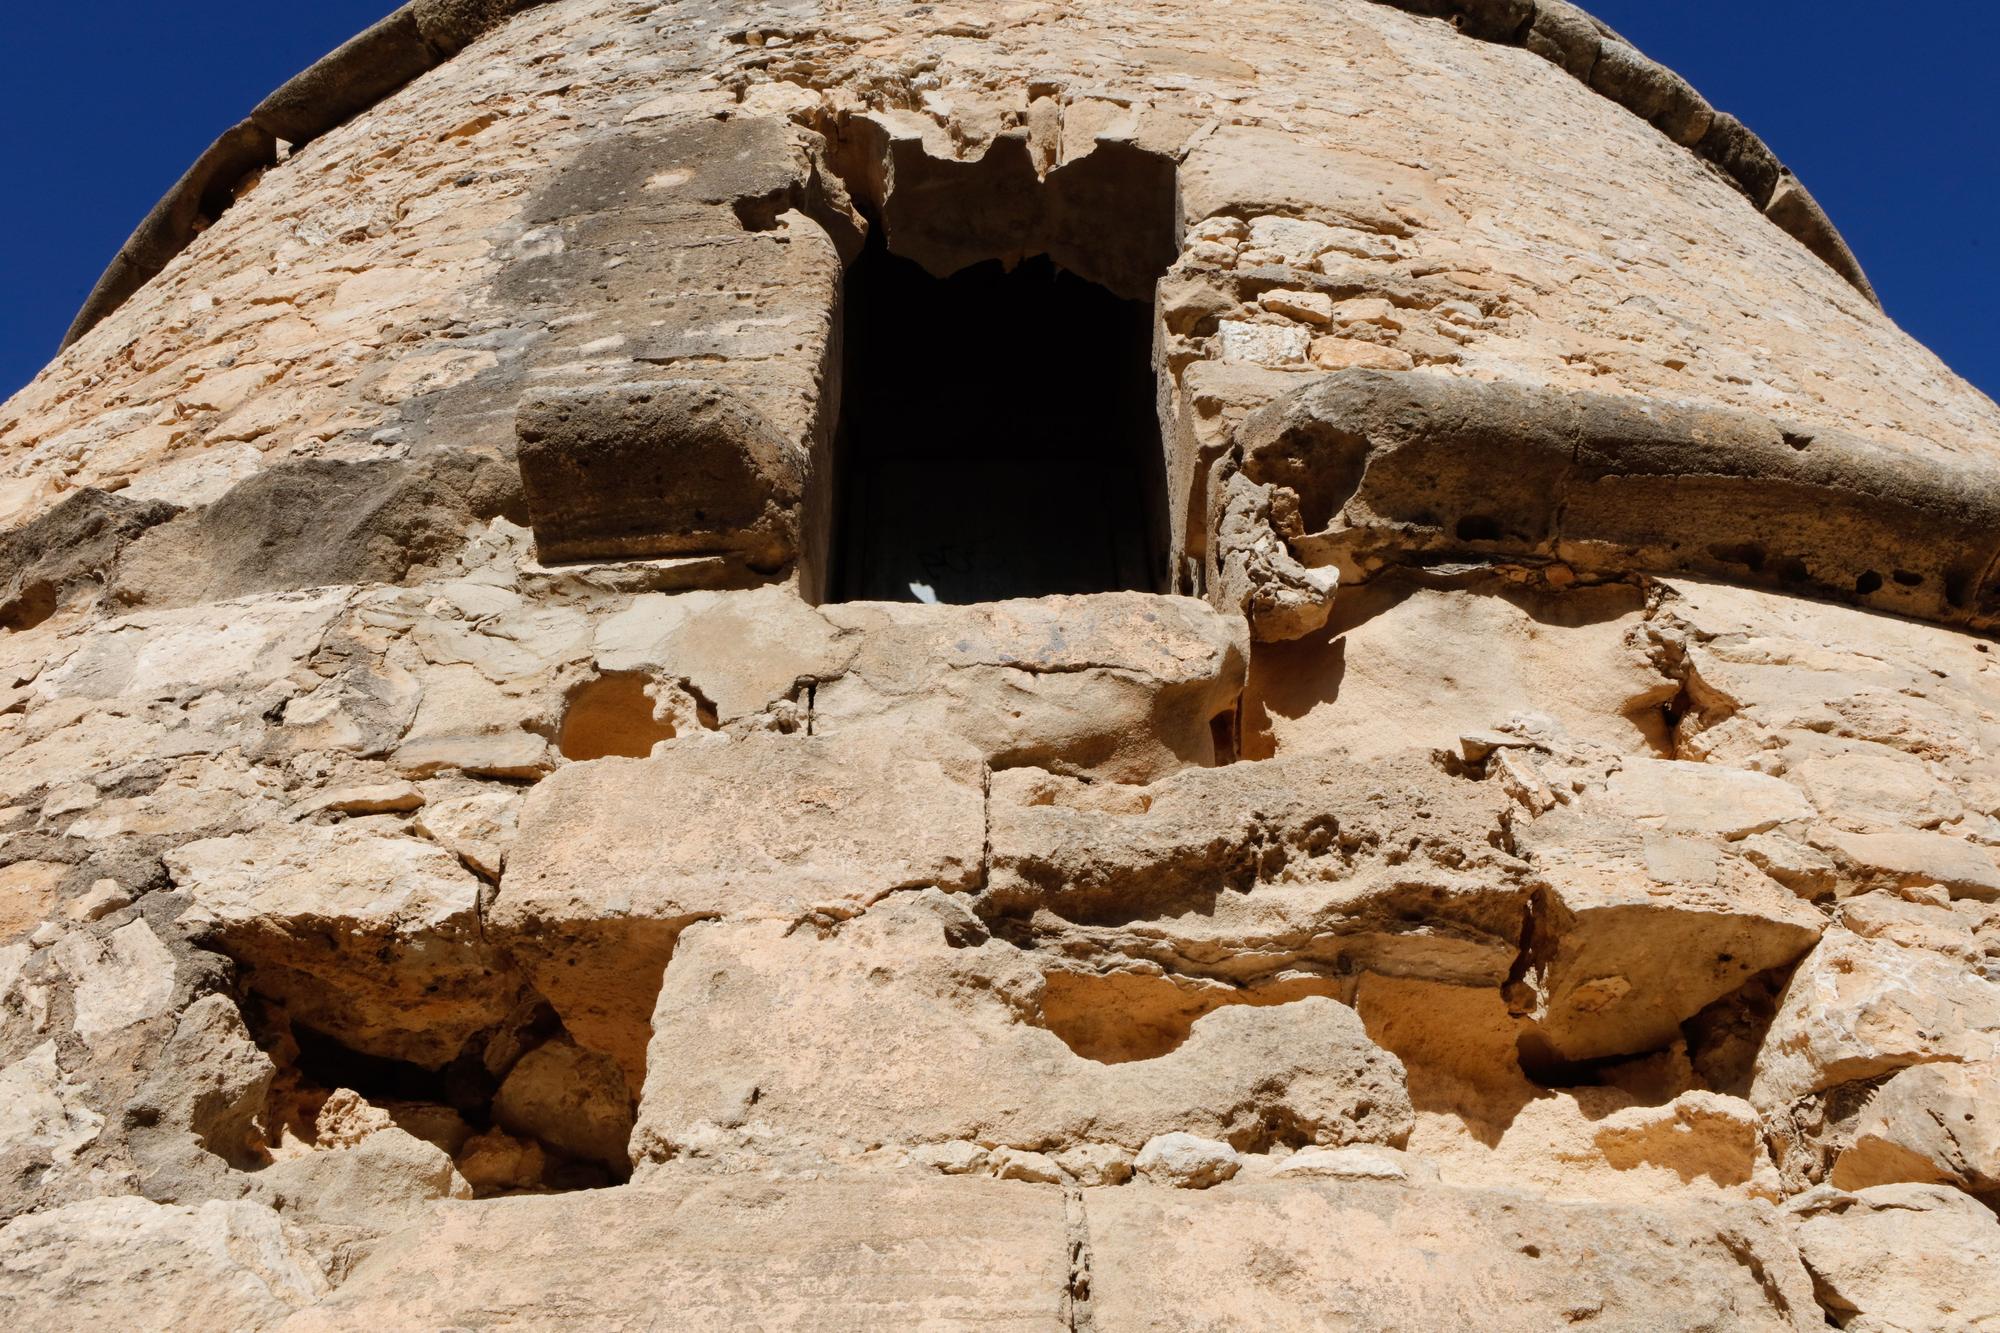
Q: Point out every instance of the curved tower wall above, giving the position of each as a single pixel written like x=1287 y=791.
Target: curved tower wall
x=1533 y=799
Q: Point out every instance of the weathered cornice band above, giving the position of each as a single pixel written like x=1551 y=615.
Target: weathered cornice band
x=1414 y=469
x=425 y=33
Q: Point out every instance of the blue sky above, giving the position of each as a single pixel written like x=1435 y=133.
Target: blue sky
x=1891 y=123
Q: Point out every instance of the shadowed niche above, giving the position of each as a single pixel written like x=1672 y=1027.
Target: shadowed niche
x=999 y=435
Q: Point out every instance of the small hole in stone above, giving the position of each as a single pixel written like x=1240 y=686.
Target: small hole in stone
x=1121 y=1017
x=1478 y=528
x=1906 y=579
x=34 y=604
x=1868 y=582
x=1748 y=554
x=1222 y=729
x=612 y=716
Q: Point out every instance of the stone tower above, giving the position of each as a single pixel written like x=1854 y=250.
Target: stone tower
x=854 y=664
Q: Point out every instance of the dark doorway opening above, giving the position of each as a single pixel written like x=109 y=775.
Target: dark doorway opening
x=999 y=436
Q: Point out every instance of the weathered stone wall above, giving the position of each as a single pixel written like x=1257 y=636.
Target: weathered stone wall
x=1535 y=858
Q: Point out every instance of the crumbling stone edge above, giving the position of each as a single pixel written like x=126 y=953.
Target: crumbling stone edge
x=423 y=34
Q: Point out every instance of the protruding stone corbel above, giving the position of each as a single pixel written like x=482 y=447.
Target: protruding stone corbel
x=674 y=468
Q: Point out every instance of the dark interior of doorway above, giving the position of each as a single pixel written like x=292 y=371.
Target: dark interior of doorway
x=999 y=436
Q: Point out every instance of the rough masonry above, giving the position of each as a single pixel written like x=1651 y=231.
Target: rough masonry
x=1477 y=805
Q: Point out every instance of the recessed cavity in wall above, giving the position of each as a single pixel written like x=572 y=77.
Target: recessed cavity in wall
x=999 y=428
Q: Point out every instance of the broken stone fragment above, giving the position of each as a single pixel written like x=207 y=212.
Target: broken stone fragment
x=387 y=1177
x=571 y=1099
x=213 y=1083
x=1255 y=571
x=497 y=1162
x=1187 y=1162
x=616 y=857
x=680 y=467
x=1636 y=932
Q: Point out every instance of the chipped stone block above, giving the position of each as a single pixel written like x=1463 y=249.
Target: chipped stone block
x=614 y=858
x=219 y=1265
x=364 y=934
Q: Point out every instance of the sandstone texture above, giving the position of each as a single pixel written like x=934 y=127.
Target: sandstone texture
x=1433 y=761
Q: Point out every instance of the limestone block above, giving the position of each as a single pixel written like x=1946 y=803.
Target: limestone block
x=1252 y=171
x=27 y=894
x=1493 y=1260
x=1930 y=1123
x=364 y=934
x=46 y=1122
x=478 y=828
x=1309 y=860
x=1263 y=344
x=743 y=651
x=860 y=1251
x=117 y=980
x=1186 y=1161
x=1901 y=1256
x=114 y=1261
x=675 y=468
x=1403 y=667
x=615 y=857
x=311 y=523
x=1915 y=857
x=1679 y=797
x=1120 y=686
x=70 y=548
x=183 y=654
